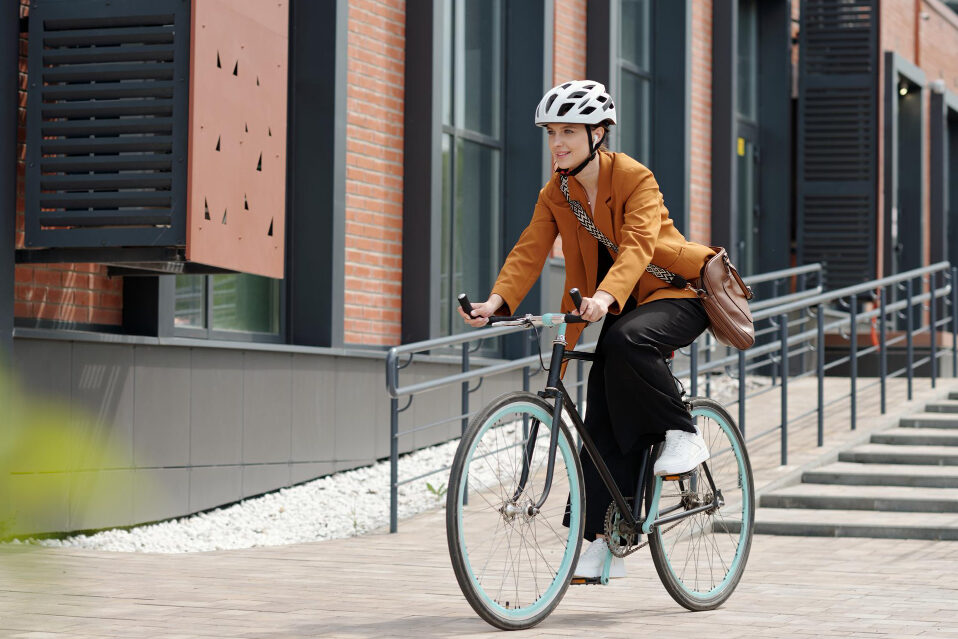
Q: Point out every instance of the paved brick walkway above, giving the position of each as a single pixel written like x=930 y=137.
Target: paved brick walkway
x=402 y=585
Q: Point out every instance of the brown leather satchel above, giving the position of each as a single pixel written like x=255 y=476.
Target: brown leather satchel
x=726 y=297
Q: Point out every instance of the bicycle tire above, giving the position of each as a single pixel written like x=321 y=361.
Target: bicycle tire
x=540 y=566
x=701 y=559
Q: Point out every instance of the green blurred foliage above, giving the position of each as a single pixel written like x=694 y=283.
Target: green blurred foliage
x=48 y=467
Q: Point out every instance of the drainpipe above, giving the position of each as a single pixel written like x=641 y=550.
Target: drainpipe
x=9 y=102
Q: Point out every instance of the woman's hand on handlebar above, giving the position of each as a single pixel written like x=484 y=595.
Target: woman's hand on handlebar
x=481 y=311
x=595 y=308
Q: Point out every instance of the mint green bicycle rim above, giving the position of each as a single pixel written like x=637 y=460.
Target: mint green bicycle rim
x=568 y=559
x=744 y=531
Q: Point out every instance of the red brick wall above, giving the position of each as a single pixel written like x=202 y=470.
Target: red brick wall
x=700 y=173
x=374 y=171
x=569 y=41
x=568 y=53
x=62 y=293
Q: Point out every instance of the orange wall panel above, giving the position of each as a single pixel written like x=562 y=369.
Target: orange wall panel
x=237 y=159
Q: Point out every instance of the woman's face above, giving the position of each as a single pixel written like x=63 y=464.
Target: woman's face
x=569 y=144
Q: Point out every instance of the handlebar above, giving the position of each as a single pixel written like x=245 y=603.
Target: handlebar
x=548 y=319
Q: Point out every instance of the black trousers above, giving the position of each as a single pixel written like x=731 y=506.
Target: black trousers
x=632 y=396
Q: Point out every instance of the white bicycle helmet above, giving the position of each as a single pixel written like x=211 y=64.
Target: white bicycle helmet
x=576 y=102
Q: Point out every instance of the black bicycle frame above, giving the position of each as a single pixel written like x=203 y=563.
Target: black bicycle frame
x=556 y=390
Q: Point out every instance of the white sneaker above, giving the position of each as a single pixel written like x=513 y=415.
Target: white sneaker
x=682 y=452
x=592 y=560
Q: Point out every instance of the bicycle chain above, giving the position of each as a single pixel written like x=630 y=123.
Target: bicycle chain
x=612 y=533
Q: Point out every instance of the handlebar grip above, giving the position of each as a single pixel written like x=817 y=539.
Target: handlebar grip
x=465 y=304
x=576 y=298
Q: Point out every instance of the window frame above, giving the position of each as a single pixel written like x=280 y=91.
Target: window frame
x=210 y=333
x=670 y=118
x=455 y=133
x=645 y=76
x=524 y=165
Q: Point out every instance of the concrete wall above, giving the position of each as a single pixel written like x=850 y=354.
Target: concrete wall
x=181 y=427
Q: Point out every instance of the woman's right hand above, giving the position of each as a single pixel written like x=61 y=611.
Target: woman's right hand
x=480 y=312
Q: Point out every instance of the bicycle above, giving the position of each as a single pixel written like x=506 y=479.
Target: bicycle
x=511 y=552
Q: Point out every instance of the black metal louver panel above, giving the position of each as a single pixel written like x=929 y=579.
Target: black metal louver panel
x=837 y=137
x=107 y=118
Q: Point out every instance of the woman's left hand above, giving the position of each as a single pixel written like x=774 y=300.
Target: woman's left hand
x=595 y=308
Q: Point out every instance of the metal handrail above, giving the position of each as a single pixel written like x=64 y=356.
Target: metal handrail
x=400 y=356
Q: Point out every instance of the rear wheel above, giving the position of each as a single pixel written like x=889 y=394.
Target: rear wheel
x=700 y=559
x=512 y=562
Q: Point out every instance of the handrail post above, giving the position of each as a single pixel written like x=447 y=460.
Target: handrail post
x=708 y=360
x=909 y=327
x=853 y=357
x=393 y=464
x=783 y=329
x=741 y=392
x=465 y=387
x=694 y=367
x=526 y=349
x=954 y=321
x=465 y=406
x=820 y=365
x=933 y=317
x=883 y=353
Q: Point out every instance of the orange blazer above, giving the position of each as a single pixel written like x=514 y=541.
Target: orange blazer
x=629 y=211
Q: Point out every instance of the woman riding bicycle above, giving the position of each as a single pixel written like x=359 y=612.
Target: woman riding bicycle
x=632 y=397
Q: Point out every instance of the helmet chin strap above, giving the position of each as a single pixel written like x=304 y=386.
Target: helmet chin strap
x=592 y=152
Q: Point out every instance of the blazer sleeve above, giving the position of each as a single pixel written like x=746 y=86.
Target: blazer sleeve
x=642 y=220
x=526 y=259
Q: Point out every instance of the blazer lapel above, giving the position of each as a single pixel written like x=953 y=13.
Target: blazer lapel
x=602 y=211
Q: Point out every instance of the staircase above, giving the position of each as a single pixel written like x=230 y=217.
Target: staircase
x=903 y=484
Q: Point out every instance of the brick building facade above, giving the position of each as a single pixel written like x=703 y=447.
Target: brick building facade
x=412 y=165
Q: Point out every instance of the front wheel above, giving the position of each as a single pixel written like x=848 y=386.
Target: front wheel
x=700 y=559
x=512 y=562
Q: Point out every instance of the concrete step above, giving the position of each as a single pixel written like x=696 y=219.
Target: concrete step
x=953 y=395
x=880 y=498
x=891 y=454
x=917 y=437
x=852 y=474
x=943 y=406
x=930 y=420
x=856 y=523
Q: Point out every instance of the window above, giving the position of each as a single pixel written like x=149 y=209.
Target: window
x=471 y=152
x=227 y=307
x=635 y=80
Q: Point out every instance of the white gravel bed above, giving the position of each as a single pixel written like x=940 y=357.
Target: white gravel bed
x=345 y=504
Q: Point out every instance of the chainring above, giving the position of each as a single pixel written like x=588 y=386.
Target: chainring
x=621 y=543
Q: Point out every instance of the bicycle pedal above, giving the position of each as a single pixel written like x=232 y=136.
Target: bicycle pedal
x=586 y=581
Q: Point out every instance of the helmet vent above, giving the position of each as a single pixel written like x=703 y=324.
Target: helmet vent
x=564 y=109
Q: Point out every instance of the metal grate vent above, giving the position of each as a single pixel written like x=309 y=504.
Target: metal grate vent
x=837 y=132
x=106 y=130
x=838 y=36
x=839 y=142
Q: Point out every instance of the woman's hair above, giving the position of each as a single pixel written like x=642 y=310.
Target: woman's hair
x=607 y=126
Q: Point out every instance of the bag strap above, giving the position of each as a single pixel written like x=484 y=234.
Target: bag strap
x=665 y=275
